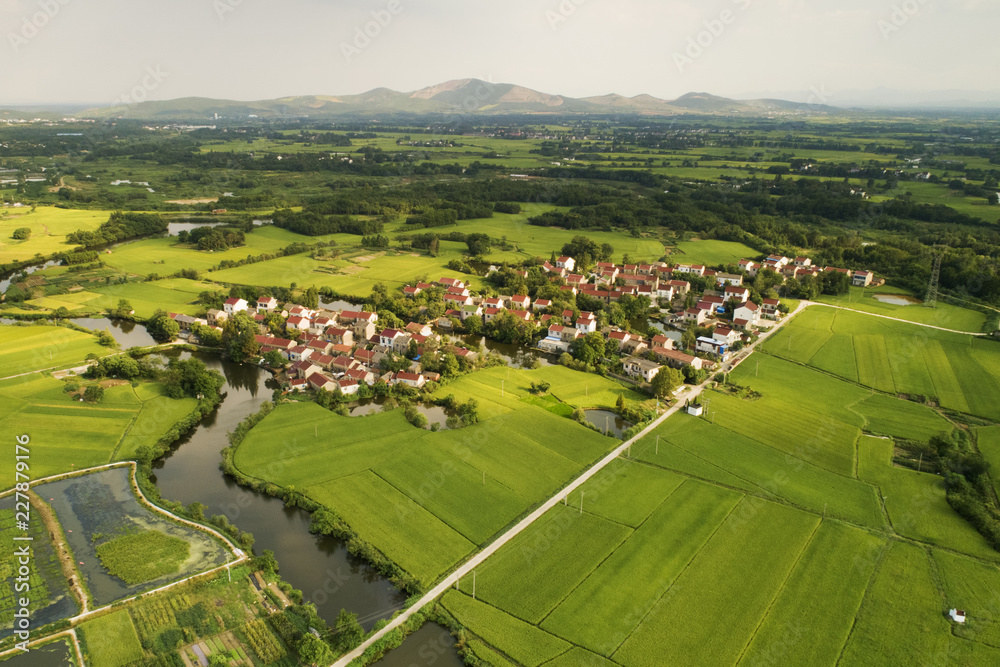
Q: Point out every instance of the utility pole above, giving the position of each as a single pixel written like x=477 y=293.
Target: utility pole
x=473 y=584
x=484 y=478
x=921 y=463
x=501 y=388
x=581 y=502
x=657 y=443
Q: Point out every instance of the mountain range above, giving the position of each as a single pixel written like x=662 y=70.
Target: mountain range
x=461 y=96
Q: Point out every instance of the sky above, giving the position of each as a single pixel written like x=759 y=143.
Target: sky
x=99 y=52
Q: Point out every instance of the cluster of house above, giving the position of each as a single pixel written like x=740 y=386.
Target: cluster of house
x=800 y=267
x=343 y=348
x=334 y=349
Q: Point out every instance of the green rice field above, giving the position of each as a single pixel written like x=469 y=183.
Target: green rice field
x=31 y=348
x=958 y=371
x=49 y=226
x=111 y=640
x=69 y=435
x=427 y=499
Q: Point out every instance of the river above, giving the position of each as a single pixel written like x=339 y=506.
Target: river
x=318 y=566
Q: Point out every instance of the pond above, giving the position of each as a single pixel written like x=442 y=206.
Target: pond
x=897 y=299
x=608 y=421
x=514 y=355
x=127 y=333
x=337 y=305
x=369 y=406
x=174 y=228
x=430 y=645
x=57 y=654
x=99 y=507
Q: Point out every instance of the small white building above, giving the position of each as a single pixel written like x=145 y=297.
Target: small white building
x=695 y=409
x=957 y=615
x=234 y=305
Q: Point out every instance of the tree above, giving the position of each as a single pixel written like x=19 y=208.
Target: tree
x=190 y=377
x=474 y=324
x=93 y=394
x=106 y=339
x=21 y=234
x=274 y=359
x=347 y=631
x=161 y=327
x=196 y=511
x=311 y=298
x=479 y=244
x=238 y=340
x=590 y=349
x=620 y=404
x=122 y=310
x=688 y=338
x=666 y=381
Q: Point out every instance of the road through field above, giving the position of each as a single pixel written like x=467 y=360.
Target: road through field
x=477 y=560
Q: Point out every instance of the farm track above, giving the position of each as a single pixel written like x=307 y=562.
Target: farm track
x=895 y=319
x=477 y=560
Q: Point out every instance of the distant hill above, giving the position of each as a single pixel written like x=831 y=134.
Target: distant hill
x=461 y=96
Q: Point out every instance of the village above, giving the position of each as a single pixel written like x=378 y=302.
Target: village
x=341 y=351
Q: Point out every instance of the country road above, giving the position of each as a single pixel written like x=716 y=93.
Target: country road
x=488 y=551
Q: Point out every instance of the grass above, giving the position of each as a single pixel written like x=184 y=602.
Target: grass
x=943 y=315
x=439 y=494
x=176 y=295
x=49 y=227
x=111 y=640
x=530 y=577
x=403 y=530
x=887 y=415
x=69 y=435
x=164 y=256
x=602 y=612
x=730 y=585
x=712 y=253
x=31 y=348
x=902 y=620
x=989 y=447
x=916 y=502
x=812 y=616
x=960 y=372
x=524 y=643
x=143 y=556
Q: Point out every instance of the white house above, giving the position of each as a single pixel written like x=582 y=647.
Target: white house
x=748 y=311
x=567 y=263
x=298 y=322
x=725 y=335
x=266 y=304
x=586 y=323
x=728 y=279
x=409 y=379
x=695 y=409
x=643 y=368
x=863 y=278
x=957 y=615
x=234 y=305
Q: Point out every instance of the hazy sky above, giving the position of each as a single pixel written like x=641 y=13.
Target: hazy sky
x=96 y=51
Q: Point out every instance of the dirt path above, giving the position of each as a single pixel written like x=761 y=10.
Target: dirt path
x=59 y=544
x=480 y=557
x=895 y=319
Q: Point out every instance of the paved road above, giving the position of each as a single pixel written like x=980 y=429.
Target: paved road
x=895 y=319
x=478 y=559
